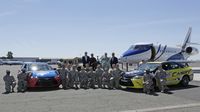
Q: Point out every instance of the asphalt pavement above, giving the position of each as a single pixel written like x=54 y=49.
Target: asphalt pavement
x=178 y=99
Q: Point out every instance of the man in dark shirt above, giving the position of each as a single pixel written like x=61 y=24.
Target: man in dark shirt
x=93 y=62
x=85 y=59
x=113 y=60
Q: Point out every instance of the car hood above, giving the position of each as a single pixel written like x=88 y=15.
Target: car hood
x=44 y=74
x=133 y=73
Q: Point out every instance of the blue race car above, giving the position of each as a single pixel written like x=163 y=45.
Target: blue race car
x=41 y=75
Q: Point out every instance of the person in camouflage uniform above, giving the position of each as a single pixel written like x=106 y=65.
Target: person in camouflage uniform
x=73 y=73
x=107 y=79
x=83 y=78
x=22 y=81
x=98 y=77
x=69 y=75
x=148 y=82
x=105 y=61
x=76 y=77
x=116 y=74
x=161 y=79
x=91 y=77
x=63 y=75
x=10 y=82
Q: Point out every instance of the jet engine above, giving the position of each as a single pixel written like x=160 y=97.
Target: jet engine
x=191 y=50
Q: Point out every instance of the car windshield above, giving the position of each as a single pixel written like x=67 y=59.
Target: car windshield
x=39 y=67
x=151 y=66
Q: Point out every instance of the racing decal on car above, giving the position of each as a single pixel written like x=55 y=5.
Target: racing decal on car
x=184 y=72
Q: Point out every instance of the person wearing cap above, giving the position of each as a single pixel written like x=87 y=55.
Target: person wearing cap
x=85 y=59
x=98 y=77
x=83 y=78
x=161 y=79
x=105 y=61
x=87 y=67
x=22 y=81
x=113 y=60
x=116 y=74
x=107 y=79
x=70 y=83
x=91 y=77
x=10 y=82
x=63 y=75
x=74 y=77
x=148 y=82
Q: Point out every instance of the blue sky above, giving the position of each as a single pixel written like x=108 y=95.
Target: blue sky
x=68 y=28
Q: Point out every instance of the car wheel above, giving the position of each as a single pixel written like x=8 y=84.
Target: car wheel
x=185 y=81
x=28 y=89
x=57 y=87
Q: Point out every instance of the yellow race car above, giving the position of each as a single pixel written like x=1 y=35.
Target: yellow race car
x=179 y=73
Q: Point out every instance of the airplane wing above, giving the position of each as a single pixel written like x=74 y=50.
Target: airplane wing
x=194 y=43
x=185 y=61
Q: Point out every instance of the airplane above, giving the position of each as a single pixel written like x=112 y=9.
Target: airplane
x=1 y=62
x=11 y=62
x=151 y=52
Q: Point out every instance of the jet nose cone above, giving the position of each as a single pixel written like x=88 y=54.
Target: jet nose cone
x=128 y=53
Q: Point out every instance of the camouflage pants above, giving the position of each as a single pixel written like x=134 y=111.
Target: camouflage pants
x=91 y=82
x=99 y=81
x=116 y=82
x=84 y=83
x=71 y=82
x=148 y=87
x=108 y=82
x=163 y=85
x=22 y=86
x=76 y=81
x=64 y=83
x=10 y=86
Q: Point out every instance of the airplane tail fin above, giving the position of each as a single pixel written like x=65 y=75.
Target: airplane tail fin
x=187 y=39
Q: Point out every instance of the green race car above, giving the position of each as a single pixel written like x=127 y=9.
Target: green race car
x=179 y=73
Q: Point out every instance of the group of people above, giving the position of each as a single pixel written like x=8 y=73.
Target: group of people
x=104 y=61
x=94 y=73
x=73 y=76
x=160 y=77
x=10 y=82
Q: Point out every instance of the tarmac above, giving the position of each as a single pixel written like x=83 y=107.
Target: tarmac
x=178 y=99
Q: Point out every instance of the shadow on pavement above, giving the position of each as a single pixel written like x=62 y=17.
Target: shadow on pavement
x=178 y=87
x=170 y=90
x=42 y=89
x=138 y=91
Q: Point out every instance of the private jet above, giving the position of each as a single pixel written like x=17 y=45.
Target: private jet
x=151 y=52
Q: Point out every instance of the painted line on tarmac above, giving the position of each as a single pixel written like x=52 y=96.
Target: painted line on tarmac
x=165 y=108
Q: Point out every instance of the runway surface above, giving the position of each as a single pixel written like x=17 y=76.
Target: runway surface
x=179 y=99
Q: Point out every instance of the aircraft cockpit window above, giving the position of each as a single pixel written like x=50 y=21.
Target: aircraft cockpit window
x=132 y=47
x=142 y=47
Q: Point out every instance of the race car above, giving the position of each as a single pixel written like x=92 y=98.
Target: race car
x=41 y=75
x=179 y=73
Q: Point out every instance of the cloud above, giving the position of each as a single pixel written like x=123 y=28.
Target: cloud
x=7 y=13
